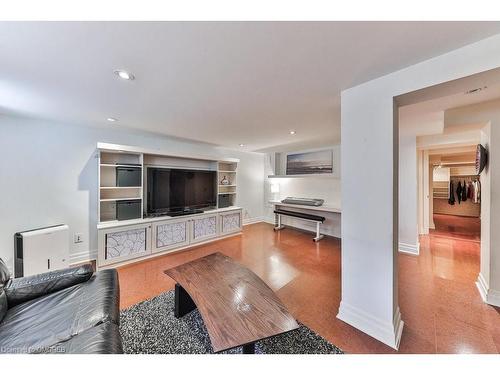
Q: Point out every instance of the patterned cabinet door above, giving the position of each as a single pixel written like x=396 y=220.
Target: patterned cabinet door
x=170 y=234
x=204 y=227
x=120 y=244
x=230 y=222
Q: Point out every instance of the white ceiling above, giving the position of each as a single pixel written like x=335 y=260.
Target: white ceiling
x=224 y=83
x=423 y=112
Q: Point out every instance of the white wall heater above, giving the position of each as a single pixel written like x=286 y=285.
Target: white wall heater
x=41 y=250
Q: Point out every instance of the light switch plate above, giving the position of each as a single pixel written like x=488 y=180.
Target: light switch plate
x=78 y=238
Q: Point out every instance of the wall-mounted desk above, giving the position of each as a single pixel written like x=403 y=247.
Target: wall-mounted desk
x=312 y=208
x=331 y=213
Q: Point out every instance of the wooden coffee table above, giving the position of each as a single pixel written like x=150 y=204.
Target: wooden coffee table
x=238 y=308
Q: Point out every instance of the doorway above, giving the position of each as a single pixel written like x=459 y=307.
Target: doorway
x=456 y=194
x=439 y=297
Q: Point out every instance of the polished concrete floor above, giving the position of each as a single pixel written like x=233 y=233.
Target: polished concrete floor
x=457 y=227
x=439 y=301
x=440 y=304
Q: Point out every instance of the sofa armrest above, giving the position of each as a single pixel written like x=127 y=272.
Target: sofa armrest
x=27 y=288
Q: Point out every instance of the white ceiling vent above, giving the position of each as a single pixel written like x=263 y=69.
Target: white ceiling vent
x=476 y=90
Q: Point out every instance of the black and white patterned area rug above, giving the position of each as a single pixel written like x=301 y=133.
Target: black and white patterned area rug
x=150 y=327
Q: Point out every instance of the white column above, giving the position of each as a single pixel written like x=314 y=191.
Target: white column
x=370 y=215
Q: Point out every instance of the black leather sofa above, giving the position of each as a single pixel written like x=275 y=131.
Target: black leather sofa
x=67 y=311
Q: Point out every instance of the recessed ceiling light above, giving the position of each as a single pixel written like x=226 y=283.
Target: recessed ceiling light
x=124 y=75
x=242 y=145
x=293 y=132
x=111 y=119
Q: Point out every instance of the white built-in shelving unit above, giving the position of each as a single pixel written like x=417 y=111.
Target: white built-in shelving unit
x=226 y=171
x=112 y=156
x=125 y=241
x=109 y=193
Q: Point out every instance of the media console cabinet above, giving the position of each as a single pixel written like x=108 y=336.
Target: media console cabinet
x=124 y=241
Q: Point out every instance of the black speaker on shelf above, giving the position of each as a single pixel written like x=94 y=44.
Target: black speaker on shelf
x=224 y=200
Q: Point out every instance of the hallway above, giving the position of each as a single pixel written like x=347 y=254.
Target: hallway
x=446 y=311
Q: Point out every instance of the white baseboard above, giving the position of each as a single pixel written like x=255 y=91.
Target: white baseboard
x=253 y=220
x=494 y=297
x=269 y=220
x=489 y=296
x=482 y=286
x=385 y=331
x=409 y=249
x=82 y=256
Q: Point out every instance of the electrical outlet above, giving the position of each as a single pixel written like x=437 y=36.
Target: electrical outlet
x=78 y=238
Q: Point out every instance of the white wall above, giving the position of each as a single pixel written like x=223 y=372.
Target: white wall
x=488 y=113
x=370 y=212
x=484 y=275
x=441 y=174
x=327 y=188
x=408 y=215
x=49 y=176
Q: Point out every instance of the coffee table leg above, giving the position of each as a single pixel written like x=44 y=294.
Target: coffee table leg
x=249 y=348
x=183 y=302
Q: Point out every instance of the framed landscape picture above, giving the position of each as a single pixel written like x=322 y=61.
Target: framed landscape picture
x=312 y=162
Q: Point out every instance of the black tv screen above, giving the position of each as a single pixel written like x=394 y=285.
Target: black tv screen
x=173 y=190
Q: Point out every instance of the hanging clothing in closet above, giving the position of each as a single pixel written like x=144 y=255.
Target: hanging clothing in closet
x=459 y=192
x=477 y=191
x=464 y=190
x=451 y=199
x=462 y=198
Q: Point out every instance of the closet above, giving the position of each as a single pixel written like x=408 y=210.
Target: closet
x=464 y=199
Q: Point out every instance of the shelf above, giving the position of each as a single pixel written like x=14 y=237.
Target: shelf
x=112 y=223
x=120 y=165
x=228 y=192
x=120 y=192
x=121 y=199
x=230 y=185
x=110 y=148
x=226 y=171
x=322 y=175
x=118 y=158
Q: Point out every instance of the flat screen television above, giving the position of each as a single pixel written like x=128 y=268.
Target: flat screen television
x=171 y=191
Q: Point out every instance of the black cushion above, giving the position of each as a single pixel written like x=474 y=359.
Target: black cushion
x=26 y=288
x=3 y=303
x=43 y=322
x=300 y=215
x=4 y=278
x=4 y=273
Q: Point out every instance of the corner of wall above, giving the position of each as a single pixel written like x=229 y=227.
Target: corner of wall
x=489 y=296
x=387 y=332
x=253 y=220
